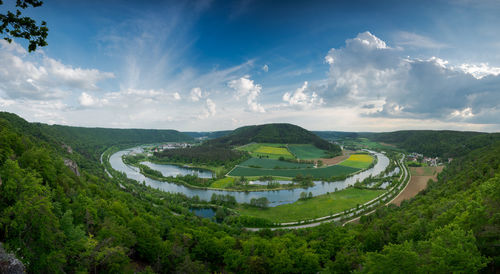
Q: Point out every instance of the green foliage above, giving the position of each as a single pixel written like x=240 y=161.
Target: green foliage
x=18 y=26
x=149 y=171
x=56 y=221
x=442 y=143
x=319 y=206
x=448 y=250
x=259 y=202
x=274 y=133
x=209 y=155
x=220 y=199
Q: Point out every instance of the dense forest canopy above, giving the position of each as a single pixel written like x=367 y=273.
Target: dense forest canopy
x=56 y=221
x=335 y=135
x=274 y=133
x=93 y=139
x=443 y=143
x=210 y=155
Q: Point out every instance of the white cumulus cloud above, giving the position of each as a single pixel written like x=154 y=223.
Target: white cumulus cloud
x=195 y=94
x=40 y=77
x=369 y=72
x=244 y=86
x=480 y=70
x=209 y=109
x=300 y=98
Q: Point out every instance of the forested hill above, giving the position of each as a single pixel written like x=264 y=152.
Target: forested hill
x=92 y=139
x=58 y=222
x=274 y=133
x=335 y=135
x=442 y=143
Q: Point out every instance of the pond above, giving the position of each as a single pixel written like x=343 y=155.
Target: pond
x=203 y=212
x=174 y=170
x=275 y=197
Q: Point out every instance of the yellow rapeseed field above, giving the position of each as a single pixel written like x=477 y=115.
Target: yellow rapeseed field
x=273 y=150
x=361 y=158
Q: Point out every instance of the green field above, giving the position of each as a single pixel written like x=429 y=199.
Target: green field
x=269 y=151
x=316 y=207
x=359 y=143
x=223 y=183
x=361 y=161
x=317 y=173
x=271 y=164
x=307 y=152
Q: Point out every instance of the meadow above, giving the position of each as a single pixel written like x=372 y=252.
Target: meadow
x=316 y=207
x=223 y=183
x=307 y=151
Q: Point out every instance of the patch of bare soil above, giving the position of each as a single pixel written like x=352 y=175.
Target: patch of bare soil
x=338 y=159
x=417 y=183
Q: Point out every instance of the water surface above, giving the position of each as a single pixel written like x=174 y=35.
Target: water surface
x=275 y=197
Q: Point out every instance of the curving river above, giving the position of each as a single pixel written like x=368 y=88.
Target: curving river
x=275 y=197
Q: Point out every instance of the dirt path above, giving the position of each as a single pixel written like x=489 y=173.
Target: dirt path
x=417 y=183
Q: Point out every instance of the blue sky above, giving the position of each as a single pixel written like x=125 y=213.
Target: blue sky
x=213 y=65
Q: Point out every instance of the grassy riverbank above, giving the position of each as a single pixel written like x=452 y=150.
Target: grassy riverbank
x=316 y=207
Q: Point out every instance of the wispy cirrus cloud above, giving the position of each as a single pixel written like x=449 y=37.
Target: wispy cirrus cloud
x=410 y=39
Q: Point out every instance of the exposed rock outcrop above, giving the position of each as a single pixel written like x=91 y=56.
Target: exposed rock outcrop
x=9 y=263
x=68 y=148
x=72 y=165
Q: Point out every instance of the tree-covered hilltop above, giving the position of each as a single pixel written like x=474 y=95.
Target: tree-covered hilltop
x=274 y=133
x=56 y=221
x=441 y=143
x=86 y=140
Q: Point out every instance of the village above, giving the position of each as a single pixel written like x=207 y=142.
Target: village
x=429 y=161
x=163 y=147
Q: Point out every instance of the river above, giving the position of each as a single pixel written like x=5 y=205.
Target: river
x=275 y=197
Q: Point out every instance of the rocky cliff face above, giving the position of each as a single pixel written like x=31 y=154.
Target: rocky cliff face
x=72 y=165
x=9 y=263
x=68 y=148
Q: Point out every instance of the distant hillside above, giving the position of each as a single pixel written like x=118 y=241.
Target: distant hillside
x=92 y=139
x=442 y=143
x=207 y=135
x=274 y=133
x=335 y=135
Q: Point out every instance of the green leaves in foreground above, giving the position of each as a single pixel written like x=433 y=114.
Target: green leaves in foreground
x=449 y=250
